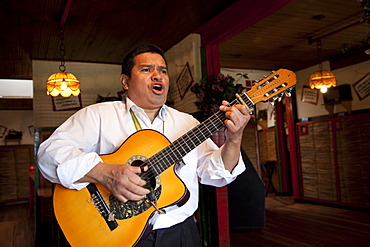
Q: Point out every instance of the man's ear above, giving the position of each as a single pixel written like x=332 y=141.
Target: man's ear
x=124 y=81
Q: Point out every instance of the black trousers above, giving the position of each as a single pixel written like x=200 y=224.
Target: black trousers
x=184 y=234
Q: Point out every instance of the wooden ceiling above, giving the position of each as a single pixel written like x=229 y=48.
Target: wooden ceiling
x=288 y=38
x=104 y=30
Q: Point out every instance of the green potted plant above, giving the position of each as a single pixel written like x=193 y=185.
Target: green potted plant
x=211 y=94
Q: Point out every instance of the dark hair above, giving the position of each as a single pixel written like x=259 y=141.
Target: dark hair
x=128 y=62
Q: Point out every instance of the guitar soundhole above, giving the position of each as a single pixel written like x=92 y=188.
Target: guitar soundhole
x=125 y=210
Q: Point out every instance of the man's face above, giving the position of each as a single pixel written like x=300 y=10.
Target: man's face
x=149 y=82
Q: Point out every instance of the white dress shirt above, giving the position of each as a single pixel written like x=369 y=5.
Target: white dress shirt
x=74 y=148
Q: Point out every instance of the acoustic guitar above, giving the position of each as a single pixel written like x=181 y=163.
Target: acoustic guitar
x=93 y=217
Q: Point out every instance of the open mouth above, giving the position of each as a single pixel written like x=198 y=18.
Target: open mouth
x=158 y=88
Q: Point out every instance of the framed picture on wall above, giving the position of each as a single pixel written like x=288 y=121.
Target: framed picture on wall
x=31 y=130
x=185 y=80
x=310 y=95
x=2 y=131
x=61 y=103
x=362 y=87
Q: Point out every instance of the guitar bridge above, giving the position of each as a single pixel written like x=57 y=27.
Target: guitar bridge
x=153 y=201
x=102 y=206
x=160 y=211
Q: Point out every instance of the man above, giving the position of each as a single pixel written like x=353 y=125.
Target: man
x=71 y=155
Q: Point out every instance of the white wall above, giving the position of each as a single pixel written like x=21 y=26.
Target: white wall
x=18 y=120
x=347 y=75
x=188 y=50
x=94 y=78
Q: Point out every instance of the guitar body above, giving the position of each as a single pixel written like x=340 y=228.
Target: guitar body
x=80 y=220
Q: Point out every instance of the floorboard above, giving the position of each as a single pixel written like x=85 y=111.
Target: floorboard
x=287 y=224
x=307 y=225
x=22 y=234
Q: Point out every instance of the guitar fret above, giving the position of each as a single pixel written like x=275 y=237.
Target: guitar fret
x=197 y=136
x=186 y=145
x=155 y=169
x=214 y=125
x=152 y=171
x=175 y=148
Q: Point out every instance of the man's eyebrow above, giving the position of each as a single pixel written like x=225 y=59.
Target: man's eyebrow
x=152 y=65
x=146 y=65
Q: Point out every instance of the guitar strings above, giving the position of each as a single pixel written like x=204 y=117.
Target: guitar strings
x=180 y=147
x=168 y=155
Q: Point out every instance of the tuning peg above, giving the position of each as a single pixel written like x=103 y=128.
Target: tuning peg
x=288 y=92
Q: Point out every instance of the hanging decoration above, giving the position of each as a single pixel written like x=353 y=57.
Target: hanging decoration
x=322 y=79
x=63 y=83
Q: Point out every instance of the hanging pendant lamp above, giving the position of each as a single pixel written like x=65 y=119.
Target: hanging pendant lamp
x=322 y=79
x=63 y=83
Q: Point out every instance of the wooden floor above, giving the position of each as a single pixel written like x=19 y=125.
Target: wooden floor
x=17 y=226
x=287 y=224
x=307 y=225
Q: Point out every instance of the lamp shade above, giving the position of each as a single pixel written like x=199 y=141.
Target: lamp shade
x=322 y=80
x=63 y=83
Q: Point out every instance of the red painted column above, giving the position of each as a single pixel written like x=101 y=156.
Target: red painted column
x=222 y=202
x=283 y=148
x=293 y=149
x=230 y=22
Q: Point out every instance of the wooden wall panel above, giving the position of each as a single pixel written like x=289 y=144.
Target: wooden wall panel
x=317 y=161
x=14 y=172
x=250 y=145
x=353 y=147
x=267 y=145
x=335 y=160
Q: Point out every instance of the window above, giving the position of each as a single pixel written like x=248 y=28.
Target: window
x=13 y=88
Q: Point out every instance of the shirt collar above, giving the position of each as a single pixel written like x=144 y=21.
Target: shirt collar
x=131 y=105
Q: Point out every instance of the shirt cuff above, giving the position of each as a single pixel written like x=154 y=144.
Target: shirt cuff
x=221 y=172
x=69 y=173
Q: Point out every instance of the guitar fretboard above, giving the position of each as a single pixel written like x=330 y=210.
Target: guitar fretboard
x=270 y=88
x=186 y=143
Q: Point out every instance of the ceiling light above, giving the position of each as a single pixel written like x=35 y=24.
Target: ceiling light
x=322 y=79
x=63 y=83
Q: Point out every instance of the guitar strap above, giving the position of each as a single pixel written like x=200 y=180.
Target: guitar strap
x=135 y=120
x=151 y=195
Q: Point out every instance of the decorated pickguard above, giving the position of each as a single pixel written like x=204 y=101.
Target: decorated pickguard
x=125 y=210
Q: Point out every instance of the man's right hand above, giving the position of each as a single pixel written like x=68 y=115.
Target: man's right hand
x=122 y=181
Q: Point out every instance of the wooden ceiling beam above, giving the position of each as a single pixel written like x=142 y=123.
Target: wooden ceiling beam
x=236 y=19
x=65 y=13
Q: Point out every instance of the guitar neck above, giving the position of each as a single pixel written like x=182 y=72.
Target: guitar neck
x=186 y=143
x=269 y=88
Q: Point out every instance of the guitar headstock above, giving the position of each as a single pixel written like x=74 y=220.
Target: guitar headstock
x=273 y=86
